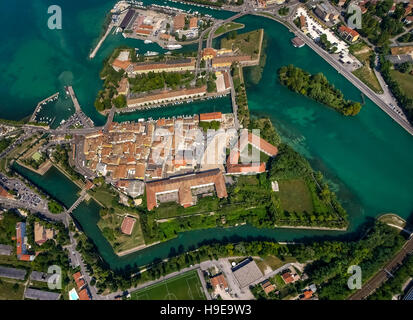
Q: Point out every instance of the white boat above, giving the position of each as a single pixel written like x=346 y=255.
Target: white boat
x=147 y=41
x=173 y=46
x=151 y=53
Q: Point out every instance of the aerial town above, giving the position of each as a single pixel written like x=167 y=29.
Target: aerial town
x=139 y=185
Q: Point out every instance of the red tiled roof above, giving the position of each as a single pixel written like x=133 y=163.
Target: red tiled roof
x=4 y=193
x=308 y=294
x=121 y=64
x=127 y=225
x=219 y=280
x=193 y=22
x=210 y=116
x=84 y=295
x=348 y=30
x=142 y=31
x=183 y=184
x=179 y=21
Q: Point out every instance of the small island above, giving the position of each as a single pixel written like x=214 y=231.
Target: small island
x=317 y=87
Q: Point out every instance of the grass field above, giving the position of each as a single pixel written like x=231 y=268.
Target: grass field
x=173 y=209
x=405 y=81
x=273 y=262
x=110 y=224
x=10 y=290
x=183 y=287
x=230 y=26
x=247 y=43
x=362 y=52
x=295 y=196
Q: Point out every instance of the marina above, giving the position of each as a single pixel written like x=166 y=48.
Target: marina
x=41 y=104
x=349 y=152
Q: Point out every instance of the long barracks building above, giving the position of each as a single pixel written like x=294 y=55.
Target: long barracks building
x=185 y=189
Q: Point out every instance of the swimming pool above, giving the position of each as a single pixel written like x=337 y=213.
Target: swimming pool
x=73 y=295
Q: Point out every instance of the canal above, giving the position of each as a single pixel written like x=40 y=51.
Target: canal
x=367 y=159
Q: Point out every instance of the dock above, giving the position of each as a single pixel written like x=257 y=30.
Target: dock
x=74 y=99
x=44 y=101
x=99 y=44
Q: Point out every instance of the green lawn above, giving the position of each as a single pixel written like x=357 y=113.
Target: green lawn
x=295 y=196
x=173 y=209
x=110 y=227
x=273 y=262
x=111 y=223
x=183 y=287
x=248 y=43
x=405 y=81
x=362 y=52
x=230 y=26
x=10 y=290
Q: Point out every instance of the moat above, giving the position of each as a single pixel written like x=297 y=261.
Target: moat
x=367 y=159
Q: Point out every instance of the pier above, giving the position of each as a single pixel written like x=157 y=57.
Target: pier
x=74 y=99
x=44 y=101
x=95 y=51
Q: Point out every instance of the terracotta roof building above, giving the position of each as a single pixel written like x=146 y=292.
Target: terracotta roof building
x=209 y=53
x=348 y=33
x=167 y=96
x=212 y=116
x=233 y=167
x=193 y=22
x=78 y=277
x=84 y=294
x=127 y=225
x=42 y=234
x=219 y=281
x=179 y=22
x=177 y=65
x=226 y=61
x=267 y=286
x=182 y=189
x=5 y=194
x=288 y=277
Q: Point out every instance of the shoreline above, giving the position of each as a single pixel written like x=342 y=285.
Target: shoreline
x=311 y=228
x=43 y=168
x=135 y=249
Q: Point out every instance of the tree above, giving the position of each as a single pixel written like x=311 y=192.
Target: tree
x=405 y=67
x=120 y=101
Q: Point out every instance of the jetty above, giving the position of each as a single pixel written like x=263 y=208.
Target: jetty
x=74 y=99
x=41 y=103
x=99 y=44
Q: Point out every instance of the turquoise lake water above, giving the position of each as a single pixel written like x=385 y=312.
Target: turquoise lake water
x=367 y=159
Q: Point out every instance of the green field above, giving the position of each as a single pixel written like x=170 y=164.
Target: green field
x=405 y=81
x=183 y=287
x=295 y=196
x=230 y=26
x=110 y=223
x=10 y=290
x=362 y=52
x=110 y=227
x=247 y=43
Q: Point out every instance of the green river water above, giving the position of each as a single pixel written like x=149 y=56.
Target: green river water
x=367 y=159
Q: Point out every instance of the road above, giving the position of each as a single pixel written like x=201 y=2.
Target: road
x=355 y=81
